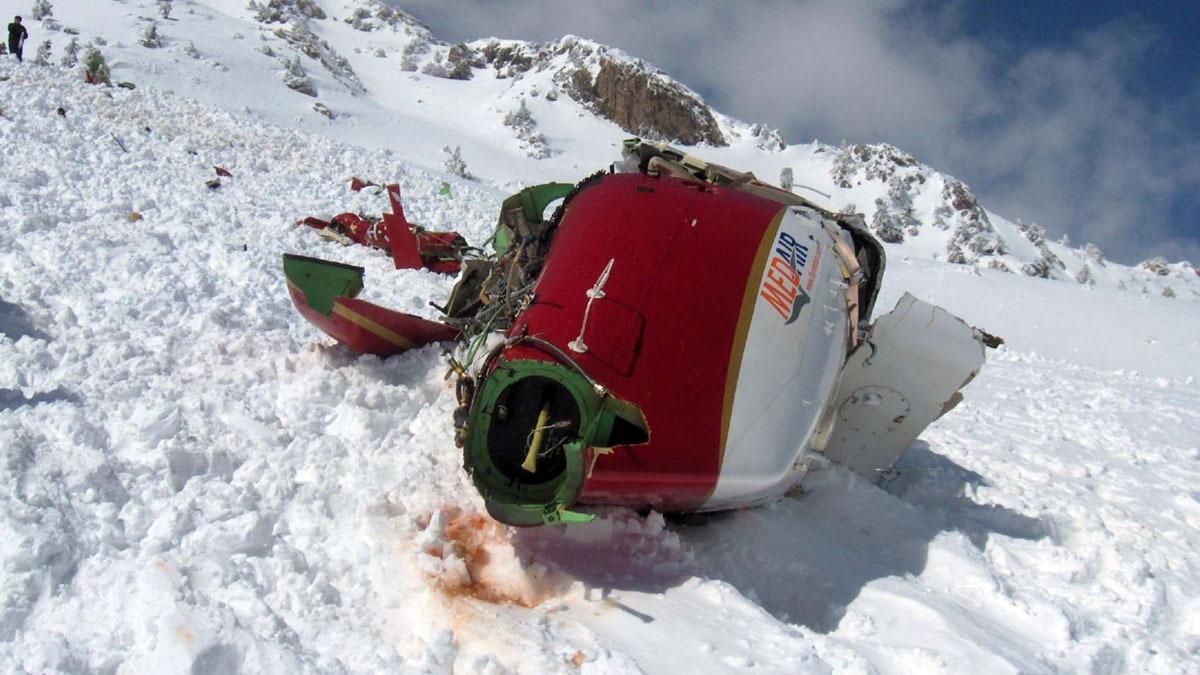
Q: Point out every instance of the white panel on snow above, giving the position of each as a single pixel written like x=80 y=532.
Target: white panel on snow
x=906 y=375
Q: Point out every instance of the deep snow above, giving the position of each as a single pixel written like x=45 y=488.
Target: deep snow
x=194 y=479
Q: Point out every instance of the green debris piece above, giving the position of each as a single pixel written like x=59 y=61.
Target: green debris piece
x=322 y=281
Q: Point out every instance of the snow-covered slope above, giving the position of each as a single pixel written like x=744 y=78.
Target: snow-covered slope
x=365 y=73
x=195 y=480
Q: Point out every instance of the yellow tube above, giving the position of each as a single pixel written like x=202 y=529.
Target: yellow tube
x=535 y=446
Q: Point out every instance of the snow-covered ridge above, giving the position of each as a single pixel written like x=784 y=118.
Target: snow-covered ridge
x=358 y=70
x=917 y=210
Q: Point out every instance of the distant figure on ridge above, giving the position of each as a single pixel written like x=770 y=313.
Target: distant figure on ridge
x=16 y=37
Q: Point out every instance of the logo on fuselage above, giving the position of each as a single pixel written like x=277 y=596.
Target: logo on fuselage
x=782 y=287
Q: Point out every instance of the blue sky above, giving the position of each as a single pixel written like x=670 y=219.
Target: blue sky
x=1081 y=116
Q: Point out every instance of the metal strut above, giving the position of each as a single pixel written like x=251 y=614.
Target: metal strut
x=596 y=291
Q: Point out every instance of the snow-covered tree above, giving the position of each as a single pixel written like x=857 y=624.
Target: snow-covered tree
x=900 y=196
x=43 y=54
x=520 y=117
x=1084 y=276
x=844 y=167
x=70 y=55
x=295 y=78
x=41 y=10
x=524 y=126
x=886 y=225
x=1168 y=292
x=767 y=138
x=941 y=216
x=1094 y=254
x=455 y=164
x=1035 y=233
x=150 y=37
x=164 y=8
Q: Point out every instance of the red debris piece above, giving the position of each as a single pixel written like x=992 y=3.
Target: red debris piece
x=357 y=184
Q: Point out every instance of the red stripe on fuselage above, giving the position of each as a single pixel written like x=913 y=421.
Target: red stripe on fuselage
x=682 y=253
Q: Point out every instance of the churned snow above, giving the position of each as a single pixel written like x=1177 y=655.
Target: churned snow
x=193 y=479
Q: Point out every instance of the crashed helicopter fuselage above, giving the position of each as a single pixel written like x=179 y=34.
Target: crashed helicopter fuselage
x=681 y=336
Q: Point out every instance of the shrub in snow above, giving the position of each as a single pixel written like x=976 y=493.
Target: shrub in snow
x=1042 y=267
x=95 y=67
x=455 y=64
x=999 y=266
x=360 y=19
x=43 y=54
x=975 y=239
x=787 y=179
x=1156 y=265
x=1084 y=276
x=191 y=50
x=41 y=10
x=164 y=8
x=70 y=55
x=525 y=129
x=295 y=78
x=436 y=68
x=410 y=58
x=150 y=37
x=552 y=94
x=324 y=110
x=1093 y=252
x=1168 y=292
x=455 y=163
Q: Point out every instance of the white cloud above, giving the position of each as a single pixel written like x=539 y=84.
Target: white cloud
x=1050 y=134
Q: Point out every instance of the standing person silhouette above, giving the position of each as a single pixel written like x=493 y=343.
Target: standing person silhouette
x=16 y=37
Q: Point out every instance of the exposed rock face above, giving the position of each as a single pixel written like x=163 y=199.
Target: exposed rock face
x=645 y=104
x=283 y=11
x=631 y=94
x=300 y=36
x=1157 y=266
